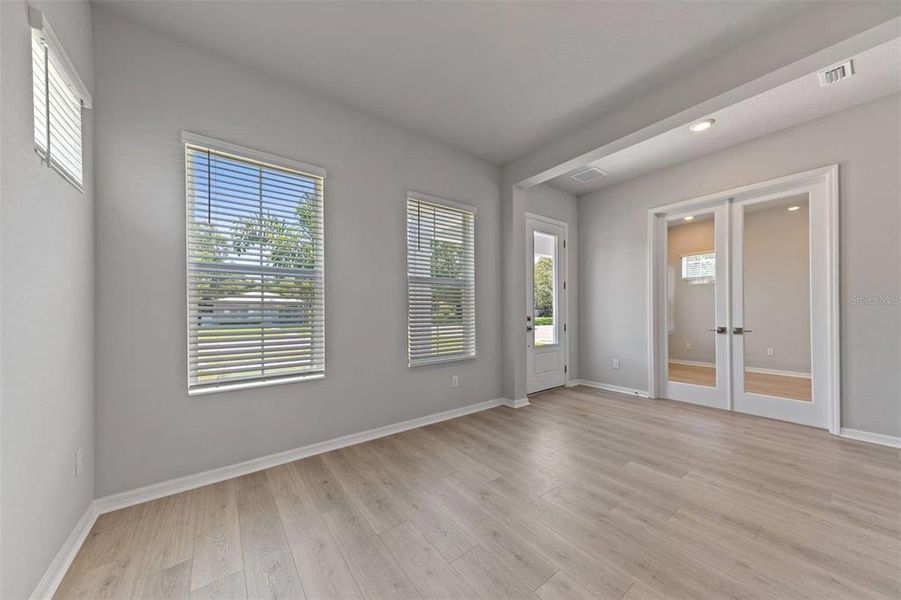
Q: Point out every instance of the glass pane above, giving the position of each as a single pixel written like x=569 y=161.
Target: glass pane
x=544 y=301
x=690 y=301
x=776 y=260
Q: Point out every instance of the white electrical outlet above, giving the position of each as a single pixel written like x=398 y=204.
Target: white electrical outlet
x=688 y=345
x=770 y=352
x=615 y=363
x=79 y=461
x=455 y=381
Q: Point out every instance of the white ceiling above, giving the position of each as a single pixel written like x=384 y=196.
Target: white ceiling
x=877 y=74
x=496 y=79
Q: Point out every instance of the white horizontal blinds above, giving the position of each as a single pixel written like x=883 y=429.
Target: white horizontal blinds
x=256 y=293
x=697 y=266
x=440 y=282
x=39 y=90
x=56 y=100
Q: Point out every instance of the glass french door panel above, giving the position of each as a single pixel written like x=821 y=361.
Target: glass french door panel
x=776 y=298
x=691 y=265
x=544 y=288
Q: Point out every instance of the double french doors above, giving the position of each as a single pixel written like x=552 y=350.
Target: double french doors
x=744 y=312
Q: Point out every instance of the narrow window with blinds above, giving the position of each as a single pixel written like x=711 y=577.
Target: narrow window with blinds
x=256 y=288
x=58 y=99
x=440 y=280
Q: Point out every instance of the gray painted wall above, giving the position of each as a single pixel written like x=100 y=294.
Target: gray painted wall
x=46 y=314
x=556 y=204
x=148 y=429
x=864 y=141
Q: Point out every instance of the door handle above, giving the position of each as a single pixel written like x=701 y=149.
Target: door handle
x=740 y=330
x=719 y=330
x=528 y=328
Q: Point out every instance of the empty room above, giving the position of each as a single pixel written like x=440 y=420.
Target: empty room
x=559 y=300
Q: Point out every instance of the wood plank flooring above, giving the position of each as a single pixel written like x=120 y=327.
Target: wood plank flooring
x=583 y=494
x=781 y=386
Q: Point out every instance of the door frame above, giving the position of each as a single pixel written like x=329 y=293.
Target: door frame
x=827 y=177
x=564 y=293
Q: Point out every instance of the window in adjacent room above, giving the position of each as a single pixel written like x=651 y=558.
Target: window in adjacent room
x=440 y=280
x=699 y=268
x=256 y=287
x=59 y=96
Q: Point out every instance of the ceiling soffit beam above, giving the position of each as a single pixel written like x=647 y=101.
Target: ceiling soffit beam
x=647 y=117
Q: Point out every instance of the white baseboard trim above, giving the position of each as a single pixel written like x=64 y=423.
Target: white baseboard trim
x=54 y=574
x=609 y=387
x=762 y=371
x=518 y=403
x=189 y=482
x=873 y=438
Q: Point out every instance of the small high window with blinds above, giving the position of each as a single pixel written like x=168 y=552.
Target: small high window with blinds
x=59 y=95
x=440 y=280
x=256 y=287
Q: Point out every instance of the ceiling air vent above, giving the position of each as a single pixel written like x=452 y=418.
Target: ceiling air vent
x=836 y=73
x=588 y=174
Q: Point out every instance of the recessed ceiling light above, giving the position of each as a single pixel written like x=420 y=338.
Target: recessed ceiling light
x=702 y=125
x=793 y=208
x=689 y=218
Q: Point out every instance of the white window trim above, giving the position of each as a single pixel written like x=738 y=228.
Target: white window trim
x=421 y=197
x=39 y=22
x=244 y=153
x=250 y=154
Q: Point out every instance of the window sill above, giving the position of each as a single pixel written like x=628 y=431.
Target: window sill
x=439 y=361
x=249 y=385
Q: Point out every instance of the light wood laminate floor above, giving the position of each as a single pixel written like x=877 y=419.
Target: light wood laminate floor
x=581 y=495
x=781 y=386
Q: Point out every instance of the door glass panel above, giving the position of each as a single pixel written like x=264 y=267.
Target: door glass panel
x=544 y=296
x=776 y=298
x=691 y=301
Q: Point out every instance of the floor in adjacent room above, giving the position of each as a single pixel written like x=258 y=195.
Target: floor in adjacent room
x=768 y=384
x=582 y=494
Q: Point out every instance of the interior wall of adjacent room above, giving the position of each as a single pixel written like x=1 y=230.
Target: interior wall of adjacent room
x=692 y=312
x=46 y=313
x=150 y=88
x=864 y=142
x=562 y=206
x=776 y=265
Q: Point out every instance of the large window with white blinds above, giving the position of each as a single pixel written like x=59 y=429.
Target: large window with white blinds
x=59 y=95
x=256 y=288
x=440 y=280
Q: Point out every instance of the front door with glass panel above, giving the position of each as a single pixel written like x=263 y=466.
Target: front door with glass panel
x=545 y=292
x=696 y=289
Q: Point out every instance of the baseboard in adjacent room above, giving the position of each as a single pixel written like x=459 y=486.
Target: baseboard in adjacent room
x=54 y=574
x=189 y=482
x=609 y=387
x=873 y=438
x=761 y=370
